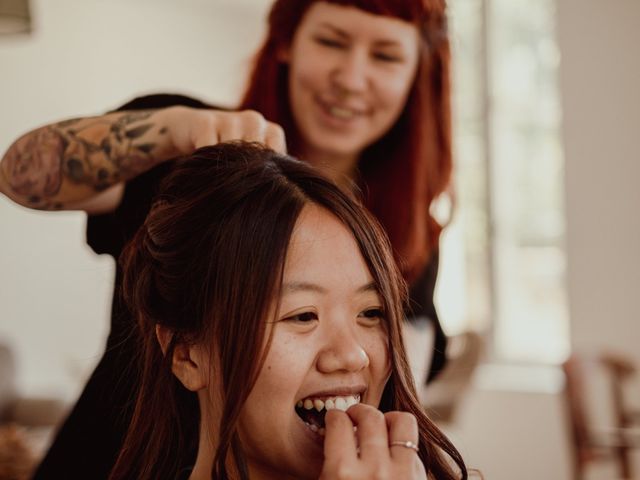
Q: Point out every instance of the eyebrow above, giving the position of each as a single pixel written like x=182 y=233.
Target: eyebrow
x=294 y=287
x=342 y=33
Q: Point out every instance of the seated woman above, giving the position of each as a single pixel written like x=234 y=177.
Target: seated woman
x=269 y=310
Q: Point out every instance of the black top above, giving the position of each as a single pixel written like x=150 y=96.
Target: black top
x=87 y=444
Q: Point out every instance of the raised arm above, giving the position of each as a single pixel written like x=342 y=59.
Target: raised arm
x=83 y=163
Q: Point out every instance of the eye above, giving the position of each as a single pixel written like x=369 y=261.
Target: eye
x=372 y=316
x=386 y=57
x=303 y=317
x=330 y=42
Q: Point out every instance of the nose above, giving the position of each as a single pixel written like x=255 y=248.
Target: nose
x=343 y=351
x=351 y=71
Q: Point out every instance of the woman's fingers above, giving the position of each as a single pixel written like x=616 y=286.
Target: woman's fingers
x=386 y=445
x=403 y=434
x=275 y=138
x=372 y=435
x=403 y=445
x=339 y=439
x=216 y=126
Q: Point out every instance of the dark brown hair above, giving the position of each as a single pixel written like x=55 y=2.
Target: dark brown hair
x=206 y=264
x=407 y=169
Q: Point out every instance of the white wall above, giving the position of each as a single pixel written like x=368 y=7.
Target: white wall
x=84 y=57
x=600 y=84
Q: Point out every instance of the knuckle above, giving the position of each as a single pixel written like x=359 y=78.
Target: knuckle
x=405 y=418
x=373 y=415
x=411 y=420
x=252 y=117
x=275 y=129
x=345 y=472
x=206 y=120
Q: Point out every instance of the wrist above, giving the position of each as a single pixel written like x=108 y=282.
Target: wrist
x=173 y=123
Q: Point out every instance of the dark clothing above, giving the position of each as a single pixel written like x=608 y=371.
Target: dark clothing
x=422 y=307
x=88 y=443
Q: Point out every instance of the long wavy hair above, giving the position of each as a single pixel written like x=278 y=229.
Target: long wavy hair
x=406 y=170
x=206 y=264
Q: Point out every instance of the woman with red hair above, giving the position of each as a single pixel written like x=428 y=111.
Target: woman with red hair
x=357 y=88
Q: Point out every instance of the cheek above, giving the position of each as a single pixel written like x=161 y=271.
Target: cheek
x=301 y=83
x=284 y=369
x=270 y=402
x=394 y=89
x=378 y=352
x=306 y=65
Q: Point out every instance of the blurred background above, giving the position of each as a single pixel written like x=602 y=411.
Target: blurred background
x=541 y=261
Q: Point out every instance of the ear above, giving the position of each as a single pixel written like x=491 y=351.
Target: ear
x=190 y=362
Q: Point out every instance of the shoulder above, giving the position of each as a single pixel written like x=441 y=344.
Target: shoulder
x=162 y=100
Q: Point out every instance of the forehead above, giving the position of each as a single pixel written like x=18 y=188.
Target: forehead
x=324 y=251
x=360 y=23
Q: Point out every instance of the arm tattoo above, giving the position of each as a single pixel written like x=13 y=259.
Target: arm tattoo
x=95 y=152
x=26 y=161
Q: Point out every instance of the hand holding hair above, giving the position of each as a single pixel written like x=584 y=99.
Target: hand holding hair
x=192 y=128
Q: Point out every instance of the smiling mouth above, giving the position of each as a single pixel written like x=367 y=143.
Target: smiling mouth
x=312 y=410
x=341 y=112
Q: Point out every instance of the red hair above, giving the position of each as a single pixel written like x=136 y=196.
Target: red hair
x=407 y=169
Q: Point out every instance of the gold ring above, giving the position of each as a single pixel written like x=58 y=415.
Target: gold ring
x=410 y=445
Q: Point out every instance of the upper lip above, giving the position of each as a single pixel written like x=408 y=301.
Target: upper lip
x=341 y=391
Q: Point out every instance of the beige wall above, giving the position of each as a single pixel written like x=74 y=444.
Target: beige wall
x=84 y=57
x=600 y=82
x=510 y=433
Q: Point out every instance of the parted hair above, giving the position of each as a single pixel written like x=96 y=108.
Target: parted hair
x=410 y=166
x=207 y=263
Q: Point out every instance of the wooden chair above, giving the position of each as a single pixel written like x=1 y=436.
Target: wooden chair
x=593 y=443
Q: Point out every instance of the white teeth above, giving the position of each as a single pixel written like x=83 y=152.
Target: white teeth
x=341 y=404
x=314 y=428
x=351 y=401
x=341 y=112
x=332 y=403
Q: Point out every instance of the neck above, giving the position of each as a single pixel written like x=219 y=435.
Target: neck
x=207 y=440
x=339 y=168
x=204 y=461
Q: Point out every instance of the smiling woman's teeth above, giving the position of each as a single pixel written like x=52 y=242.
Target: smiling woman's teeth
x=312 y=410
x=332 y=403
x=341 y=112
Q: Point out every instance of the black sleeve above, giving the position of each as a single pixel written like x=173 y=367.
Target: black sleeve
x=422 y=306
x=88 y=442
x=108 y=233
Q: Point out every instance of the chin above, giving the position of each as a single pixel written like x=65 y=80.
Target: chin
x=337 y=146
x=300 y=469
x=310 y=470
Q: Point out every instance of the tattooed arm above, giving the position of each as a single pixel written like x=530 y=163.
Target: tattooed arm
x=67 y=165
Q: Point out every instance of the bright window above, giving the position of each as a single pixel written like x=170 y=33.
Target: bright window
x=503 y=260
